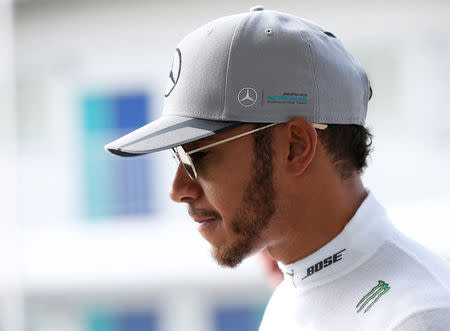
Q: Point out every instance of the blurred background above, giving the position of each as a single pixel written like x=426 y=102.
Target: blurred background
x=91 y=242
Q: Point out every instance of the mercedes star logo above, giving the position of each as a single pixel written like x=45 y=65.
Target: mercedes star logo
x=174 y=72
x=247 y=97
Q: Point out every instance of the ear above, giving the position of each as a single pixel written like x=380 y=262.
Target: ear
x=302 y=139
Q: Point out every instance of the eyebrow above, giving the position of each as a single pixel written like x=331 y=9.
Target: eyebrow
x=201 y=142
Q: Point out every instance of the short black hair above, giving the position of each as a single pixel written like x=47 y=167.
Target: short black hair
x=348 y=145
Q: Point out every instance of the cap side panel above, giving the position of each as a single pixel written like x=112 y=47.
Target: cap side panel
x=344 y=99
x=264 y=66
x=200 y=86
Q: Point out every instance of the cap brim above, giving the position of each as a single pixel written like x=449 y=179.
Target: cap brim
x=164 y=133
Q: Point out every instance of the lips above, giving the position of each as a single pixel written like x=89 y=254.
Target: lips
x=204 y=219
x=205 y=223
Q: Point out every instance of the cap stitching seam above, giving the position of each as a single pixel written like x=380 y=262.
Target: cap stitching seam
x=233 y=38
x=313 y=65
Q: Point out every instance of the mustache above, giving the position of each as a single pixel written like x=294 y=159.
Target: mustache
x=200 y=212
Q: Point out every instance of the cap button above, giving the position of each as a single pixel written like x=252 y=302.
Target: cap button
x=257 y=8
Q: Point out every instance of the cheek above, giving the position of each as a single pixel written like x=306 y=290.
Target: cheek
x=225 y=186
x=224 y=196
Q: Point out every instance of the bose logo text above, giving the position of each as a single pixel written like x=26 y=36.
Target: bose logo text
x=325 y=263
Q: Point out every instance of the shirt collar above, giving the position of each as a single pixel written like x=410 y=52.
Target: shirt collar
x=361 y=237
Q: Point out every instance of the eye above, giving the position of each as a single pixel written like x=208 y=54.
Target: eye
x=201 y=162
x=198 y=156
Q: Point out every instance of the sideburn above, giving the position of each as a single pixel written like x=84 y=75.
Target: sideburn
x=260 y=193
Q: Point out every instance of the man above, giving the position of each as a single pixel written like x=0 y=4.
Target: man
x=265 y=113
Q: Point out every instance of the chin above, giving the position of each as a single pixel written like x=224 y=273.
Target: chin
x=232 y=255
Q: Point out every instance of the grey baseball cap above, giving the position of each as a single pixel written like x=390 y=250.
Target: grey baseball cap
x=262 y=66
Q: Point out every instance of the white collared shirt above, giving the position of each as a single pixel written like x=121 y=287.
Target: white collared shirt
x=369 y=277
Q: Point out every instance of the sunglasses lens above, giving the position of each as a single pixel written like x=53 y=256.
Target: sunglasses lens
x=174 y=155
x=185 y=161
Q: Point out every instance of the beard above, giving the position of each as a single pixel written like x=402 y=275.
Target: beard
x=257 y=208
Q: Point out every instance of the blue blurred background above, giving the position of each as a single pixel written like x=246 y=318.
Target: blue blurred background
x=91 y=242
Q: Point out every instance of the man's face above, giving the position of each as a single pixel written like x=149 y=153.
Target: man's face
x=233 y=194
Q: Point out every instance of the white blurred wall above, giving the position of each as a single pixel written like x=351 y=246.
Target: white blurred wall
x=11 y=308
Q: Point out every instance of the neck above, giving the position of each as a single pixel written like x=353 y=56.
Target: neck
x=319 y=216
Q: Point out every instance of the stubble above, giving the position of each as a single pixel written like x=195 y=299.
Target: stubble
x=257 y=207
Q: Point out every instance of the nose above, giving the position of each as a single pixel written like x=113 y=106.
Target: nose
x=184 y=189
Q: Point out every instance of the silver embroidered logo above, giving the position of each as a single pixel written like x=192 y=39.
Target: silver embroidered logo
x=247 y=97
